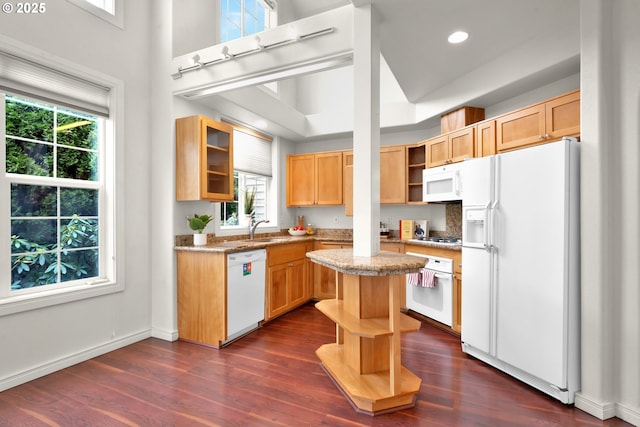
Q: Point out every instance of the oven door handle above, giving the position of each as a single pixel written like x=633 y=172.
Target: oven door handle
x=443 y=276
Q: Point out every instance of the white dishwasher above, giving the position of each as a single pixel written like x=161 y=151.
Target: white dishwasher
x=246 y=273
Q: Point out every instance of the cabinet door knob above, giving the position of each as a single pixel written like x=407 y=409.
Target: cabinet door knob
x=540 y=136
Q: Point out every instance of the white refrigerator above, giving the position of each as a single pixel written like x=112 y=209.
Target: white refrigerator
x=521 y=265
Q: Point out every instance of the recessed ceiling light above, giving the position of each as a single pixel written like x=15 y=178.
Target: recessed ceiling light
x=262 y=124
x=458 y=37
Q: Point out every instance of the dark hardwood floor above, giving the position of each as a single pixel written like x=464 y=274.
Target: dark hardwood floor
x=272 y=377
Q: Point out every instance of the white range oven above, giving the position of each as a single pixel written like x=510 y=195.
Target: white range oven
x=434 y=302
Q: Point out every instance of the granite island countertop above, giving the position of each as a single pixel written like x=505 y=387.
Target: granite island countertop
x=384 y=263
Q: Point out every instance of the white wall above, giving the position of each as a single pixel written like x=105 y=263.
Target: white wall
x=39 y=341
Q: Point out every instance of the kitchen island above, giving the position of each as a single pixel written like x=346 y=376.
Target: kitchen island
x=365 y=360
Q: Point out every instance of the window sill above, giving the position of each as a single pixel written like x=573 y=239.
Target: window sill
x=19 y=304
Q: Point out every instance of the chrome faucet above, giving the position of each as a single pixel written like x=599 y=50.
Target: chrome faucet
x=252 y=227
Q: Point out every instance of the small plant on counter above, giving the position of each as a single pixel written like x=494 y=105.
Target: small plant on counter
x=198 y=222
x=249 y=201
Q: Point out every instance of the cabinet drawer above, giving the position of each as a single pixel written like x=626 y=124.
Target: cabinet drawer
x=284 y=253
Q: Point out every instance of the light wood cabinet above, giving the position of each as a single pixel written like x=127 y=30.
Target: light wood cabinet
x=347 y=181
x=451 y=148
x=562 y=116
x=539 y=124
x=288 y=278
x=202 y=295
x=393 y=172
x=314 y=179
x=204 y=160
x=416 y=163
x=462 y=117
x=324 y=283
x=486 y=138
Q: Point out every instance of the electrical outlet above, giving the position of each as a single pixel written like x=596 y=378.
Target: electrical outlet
x=336 y=219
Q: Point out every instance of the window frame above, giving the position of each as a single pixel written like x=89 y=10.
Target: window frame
x=112 y=207
x=241 y=179
x=272 y=18
x=116 y=18
x=63 y=183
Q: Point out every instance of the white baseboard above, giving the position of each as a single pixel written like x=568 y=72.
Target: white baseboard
x=604 y=411
x=164 y=334
x=65 y=362
x=628 y=414
x=598 y=409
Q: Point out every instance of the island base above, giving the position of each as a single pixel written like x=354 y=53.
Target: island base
x=368 y=393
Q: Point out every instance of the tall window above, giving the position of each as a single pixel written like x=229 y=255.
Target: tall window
x=52 y=154
x=252 y=179
x=241 y=18
x=56 y=181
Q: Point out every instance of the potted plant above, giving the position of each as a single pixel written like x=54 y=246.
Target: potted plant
x=197 y=223
x=249 y=204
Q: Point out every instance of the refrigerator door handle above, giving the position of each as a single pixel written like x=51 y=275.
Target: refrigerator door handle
x=487 y=214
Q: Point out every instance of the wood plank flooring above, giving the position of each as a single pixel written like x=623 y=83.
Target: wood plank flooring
x=272 y=377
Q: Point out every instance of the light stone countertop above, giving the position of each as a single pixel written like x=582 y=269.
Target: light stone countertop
x=384 y=263
x=239 y=245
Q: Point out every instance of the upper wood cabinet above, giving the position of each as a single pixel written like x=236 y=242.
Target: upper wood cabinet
x=451 y=148
x=393 y=172
x=462 y=117
x=416 y=163
x=204 y=160
x=328 y=178
x=486 y=138
x=540 y=123
x=314 y=179
x=347 y=182
x=562 y=116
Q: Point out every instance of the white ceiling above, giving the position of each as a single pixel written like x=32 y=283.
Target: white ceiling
x=511 y=50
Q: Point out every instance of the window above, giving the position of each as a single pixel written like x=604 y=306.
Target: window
x=246 y=186
x=52 y=167
x=56 y=186
x=241 y=18
x=252 y=179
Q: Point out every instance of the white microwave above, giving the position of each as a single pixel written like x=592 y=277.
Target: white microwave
x=441 y=183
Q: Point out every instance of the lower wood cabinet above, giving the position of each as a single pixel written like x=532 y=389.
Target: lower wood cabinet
x=324 y=278
x=288 y=278
x=202 y=305
x=324 y=283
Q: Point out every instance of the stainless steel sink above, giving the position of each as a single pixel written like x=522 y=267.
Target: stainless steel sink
x=271 y=239
x=249 y=243
x=235 y=244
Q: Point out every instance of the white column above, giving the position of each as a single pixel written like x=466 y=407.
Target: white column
x=366 y=132
x=598 y=260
